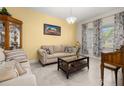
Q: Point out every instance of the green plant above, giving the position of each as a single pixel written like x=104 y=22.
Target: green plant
x=4 y=11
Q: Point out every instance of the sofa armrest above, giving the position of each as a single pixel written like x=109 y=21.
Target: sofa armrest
x=24 y=80
x=42 y=54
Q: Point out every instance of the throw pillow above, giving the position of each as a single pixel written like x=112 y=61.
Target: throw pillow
x=20 y=69
x=68 y=49
x=51 y=49
x=75 y=50
x=17 y=54
x=47 y=50
x=48 y=47
x=8 y=71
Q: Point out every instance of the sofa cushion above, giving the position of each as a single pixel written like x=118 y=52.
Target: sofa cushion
x=8 y=71
x=2 y=55
x=58 y=49
x=17 y=54
x=55 y=55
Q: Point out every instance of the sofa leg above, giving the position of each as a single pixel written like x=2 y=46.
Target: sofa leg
x=43 y=65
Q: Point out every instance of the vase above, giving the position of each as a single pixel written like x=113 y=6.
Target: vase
x=77 y=53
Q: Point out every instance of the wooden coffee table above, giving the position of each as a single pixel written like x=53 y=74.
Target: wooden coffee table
x=71 y=64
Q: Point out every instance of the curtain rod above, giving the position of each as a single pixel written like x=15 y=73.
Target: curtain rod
x=103 y=17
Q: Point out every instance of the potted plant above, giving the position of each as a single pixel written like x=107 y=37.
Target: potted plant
x=4 y=11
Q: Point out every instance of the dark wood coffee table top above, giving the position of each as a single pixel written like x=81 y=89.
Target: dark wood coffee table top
x=70 y=59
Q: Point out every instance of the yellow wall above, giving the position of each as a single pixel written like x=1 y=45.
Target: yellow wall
x=33 y=36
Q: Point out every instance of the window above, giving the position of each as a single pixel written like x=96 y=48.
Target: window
x=108 y=37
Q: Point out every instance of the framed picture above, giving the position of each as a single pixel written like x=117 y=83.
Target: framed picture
x=52 y=30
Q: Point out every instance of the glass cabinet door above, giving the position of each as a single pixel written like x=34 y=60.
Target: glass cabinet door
x=2 y=34
x=14 y=33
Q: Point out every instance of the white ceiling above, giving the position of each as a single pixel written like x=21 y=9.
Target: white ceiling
x=82 y=13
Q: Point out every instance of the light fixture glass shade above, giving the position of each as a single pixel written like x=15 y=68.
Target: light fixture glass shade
x=71 y=19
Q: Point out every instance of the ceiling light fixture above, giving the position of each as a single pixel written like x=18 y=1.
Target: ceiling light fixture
x=71 y=19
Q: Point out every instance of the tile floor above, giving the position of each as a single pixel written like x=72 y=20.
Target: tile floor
x=49 y=76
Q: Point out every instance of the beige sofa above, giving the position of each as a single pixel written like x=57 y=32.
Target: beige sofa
x=55 y=51
x=27 y=79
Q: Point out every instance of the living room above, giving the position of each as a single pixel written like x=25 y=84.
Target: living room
x=74 y=38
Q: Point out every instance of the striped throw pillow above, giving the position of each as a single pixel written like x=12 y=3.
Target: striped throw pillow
x=17 y=54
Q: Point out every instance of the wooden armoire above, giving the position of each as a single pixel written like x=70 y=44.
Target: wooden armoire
x=10 y=32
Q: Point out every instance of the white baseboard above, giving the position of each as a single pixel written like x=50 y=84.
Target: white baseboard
x=33 y=60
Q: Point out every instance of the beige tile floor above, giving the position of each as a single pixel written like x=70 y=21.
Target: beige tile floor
x=49 y=76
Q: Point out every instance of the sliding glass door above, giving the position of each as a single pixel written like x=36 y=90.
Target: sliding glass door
x=107 y=38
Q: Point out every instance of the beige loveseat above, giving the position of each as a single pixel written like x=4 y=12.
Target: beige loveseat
x=49 y=54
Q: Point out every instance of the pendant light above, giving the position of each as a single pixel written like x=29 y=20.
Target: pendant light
x=71 y=19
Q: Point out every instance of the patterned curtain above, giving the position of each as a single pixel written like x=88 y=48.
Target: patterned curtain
x=97 y=38
x=84 y=39
x=119 y=30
